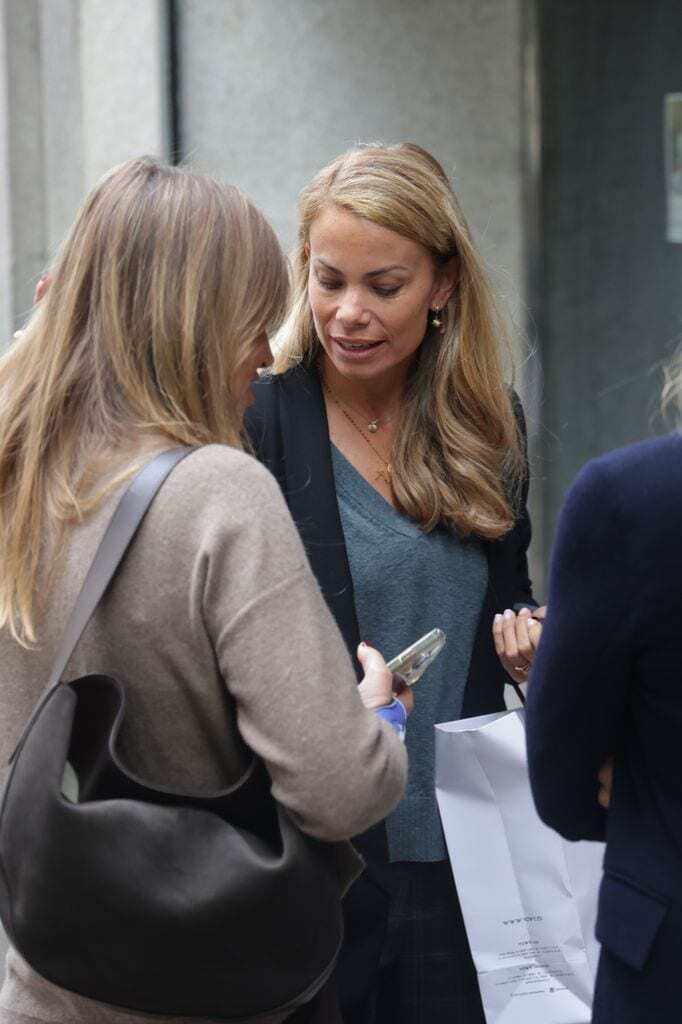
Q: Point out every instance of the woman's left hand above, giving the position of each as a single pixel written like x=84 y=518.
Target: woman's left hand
x=516 y=639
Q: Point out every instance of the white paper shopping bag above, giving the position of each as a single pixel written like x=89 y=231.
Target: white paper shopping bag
x=528 y=898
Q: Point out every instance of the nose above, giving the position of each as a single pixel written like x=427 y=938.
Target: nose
x=352 y=310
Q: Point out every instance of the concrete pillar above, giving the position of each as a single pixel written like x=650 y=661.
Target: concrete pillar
x=124 y=81
x=84 y=87
x=24 y=155
x=5 y=218
x=269 y=92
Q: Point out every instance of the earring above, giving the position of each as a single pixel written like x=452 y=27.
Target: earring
x=436 y=321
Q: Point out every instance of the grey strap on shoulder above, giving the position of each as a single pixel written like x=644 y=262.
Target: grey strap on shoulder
x=122 y=527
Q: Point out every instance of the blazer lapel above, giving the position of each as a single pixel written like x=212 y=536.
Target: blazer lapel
x=311 y=495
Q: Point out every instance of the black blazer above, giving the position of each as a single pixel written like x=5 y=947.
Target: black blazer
x=607 y=680
x=287 y=427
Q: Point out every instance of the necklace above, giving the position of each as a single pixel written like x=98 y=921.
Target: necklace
x=385 y=473
x=373 y=425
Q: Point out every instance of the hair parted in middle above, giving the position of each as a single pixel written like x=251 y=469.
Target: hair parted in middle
x=457 y=459
x=164 y=281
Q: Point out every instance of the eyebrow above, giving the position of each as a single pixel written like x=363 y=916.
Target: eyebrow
x=372 y=273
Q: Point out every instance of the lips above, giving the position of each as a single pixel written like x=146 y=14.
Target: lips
x=356 y=344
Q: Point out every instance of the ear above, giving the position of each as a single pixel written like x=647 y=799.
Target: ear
x=444 y=285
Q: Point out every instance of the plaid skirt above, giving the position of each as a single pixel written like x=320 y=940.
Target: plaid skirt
x=424 y=973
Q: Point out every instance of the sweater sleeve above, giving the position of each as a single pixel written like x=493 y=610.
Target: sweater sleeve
x=334 y=765
x=578 y=690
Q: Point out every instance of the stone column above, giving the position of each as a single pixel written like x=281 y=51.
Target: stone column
x=84 y=87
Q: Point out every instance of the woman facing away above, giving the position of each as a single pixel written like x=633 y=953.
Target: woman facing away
x=148 y=338
x=615 y=596
x=401 y=453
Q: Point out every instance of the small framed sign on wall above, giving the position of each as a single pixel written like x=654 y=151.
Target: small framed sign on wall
x=672 y=121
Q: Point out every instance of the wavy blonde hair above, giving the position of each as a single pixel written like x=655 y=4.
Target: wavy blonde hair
x=671 y=397
x=163 y=283
x=457 y=457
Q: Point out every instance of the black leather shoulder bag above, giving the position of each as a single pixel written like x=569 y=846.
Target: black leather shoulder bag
x=140 y=896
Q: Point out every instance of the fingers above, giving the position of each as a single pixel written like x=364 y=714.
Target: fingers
x=513 y=643
x=370 y=658
x=376 y=688
x=498 y=637
x=534 y=632
x=524 y=646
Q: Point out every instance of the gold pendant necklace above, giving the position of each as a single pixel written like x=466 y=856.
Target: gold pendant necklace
x=373 y=425
x=383 y=474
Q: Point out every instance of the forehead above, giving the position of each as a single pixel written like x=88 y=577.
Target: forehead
x=346 y=241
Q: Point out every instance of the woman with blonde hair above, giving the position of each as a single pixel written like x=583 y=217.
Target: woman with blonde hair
x=149 y=338
x=400 y=451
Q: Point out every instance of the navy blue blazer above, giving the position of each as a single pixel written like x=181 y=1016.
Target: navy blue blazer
x=607 y=679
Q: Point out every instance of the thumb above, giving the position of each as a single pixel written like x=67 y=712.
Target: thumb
x=369 y=657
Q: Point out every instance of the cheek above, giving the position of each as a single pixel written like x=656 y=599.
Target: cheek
x=316 y=298
x=410 y=322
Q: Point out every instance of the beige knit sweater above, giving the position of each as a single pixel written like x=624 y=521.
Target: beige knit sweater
x=218 y=631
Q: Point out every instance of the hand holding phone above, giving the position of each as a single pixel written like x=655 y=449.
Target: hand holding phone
x=411 y=663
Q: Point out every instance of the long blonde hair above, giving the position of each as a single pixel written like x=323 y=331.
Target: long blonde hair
x=164 y=280
x=457 y=458
x=671 y=397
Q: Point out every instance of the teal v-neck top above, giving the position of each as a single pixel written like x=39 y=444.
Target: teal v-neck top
x=406 y=582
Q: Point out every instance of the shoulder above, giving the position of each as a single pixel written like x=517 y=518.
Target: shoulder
x=221 y=507
x=629 y=500
x=654 y=454
x=273 y=387
x=637 y=473
x=287 y=410
x=218 y=467
x=223 y=483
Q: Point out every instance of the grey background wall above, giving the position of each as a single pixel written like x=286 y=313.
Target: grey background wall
x=270 y=91
x=83 y=87
x=610 y=297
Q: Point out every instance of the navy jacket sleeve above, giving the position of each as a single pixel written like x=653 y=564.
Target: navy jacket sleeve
x=578 y=690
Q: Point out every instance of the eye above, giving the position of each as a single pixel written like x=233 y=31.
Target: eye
x=329 y=283
x=386 y=292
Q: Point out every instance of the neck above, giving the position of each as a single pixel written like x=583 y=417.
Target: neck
x=379 y=396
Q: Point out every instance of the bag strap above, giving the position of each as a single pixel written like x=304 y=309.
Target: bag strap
x=127 y=517
x=518 y=691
